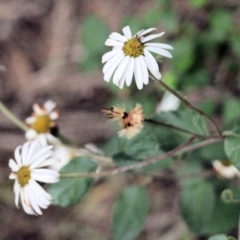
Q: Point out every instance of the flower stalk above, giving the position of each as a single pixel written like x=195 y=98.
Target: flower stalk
x=189 y=105
x=178 y=150
x=12 y=117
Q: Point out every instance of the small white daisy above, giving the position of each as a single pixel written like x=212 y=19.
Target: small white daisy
x=41 y=122
x=225 y=169
x=27 y=170
x=131 y=56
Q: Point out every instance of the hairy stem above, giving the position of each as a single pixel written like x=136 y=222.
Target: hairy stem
x=180 y=149
x=130 y=167
x=176 y=128
x=188 y=104
x=12 y=118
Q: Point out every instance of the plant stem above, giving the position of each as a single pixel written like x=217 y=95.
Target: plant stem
x=176 y=128
x=180 y=149
x=12 y=118
x=188 y=104
x=130 y=167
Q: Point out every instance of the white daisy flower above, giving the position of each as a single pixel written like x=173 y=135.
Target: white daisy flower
x=27 y=170
x=131 y=56
x=225 y=169
x=41 y=122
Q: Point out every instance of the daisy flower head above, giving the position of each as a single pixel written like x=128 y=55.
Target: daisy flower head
x=131 y=56
x=225 y=169
x=131 y=122
x=28 y=169
x=42 y=121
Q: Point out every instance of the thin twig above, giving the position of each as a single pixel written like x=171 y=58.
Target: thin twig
x=13 y=118
x=188 y=104
x=180 y=149
x=130 y=167
x=176 y=128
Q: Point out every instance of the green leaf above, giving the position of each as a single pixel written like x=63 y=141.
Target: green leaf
x=230 y=109
x=93 y=35
x=185 y=119
x=183 y=54
x=127 y=151
x=197 y=204
x=224 y=218
x=198 y=3
x=213 y=152
x=218 y=237
x=231 y=238
x=69 y=191
x=232 y=147
x=130 y=212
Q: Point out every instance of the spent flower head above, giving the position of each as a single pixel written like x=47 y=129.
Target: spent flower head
x=131 y=56
x=28 y=169
x=131 y=122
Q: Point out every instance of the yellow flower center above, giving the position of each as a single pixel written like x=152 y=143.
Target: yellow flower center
x=133 y=47
x=42 y=124
x=23 y=176
x=226 y=163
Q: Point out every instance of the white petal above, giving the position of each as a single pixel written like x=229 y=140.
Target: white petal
x=155 y=73
x=118 y=37
x=39 y=152
x=42 y=138
x=121 y=82
x=160 y=51
x=113 y=43
x=49 y=106
x=107 y=56
x=13 y=165
x=31 y=134
x=42 y=201
x=130 y=71
x=151 y=37
x=138 y=74
x=120 y=70
x=109 y=72
x=45 y=175
x=141 y=33
x=37 y=109
x=169 y=102
x=24 y=153
x=33 y=148
x=40 y=160
x=117 y=58
x=25 y=202
x=144 y=70
x=159 y=45
x=17 y=156
x=16 y=189
x=32 y=200
x=30 y=120
x=13 y=176
x=48 y=162
x=40 y=190
x=151 y=60
x=54 y=115
x=127 y=32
